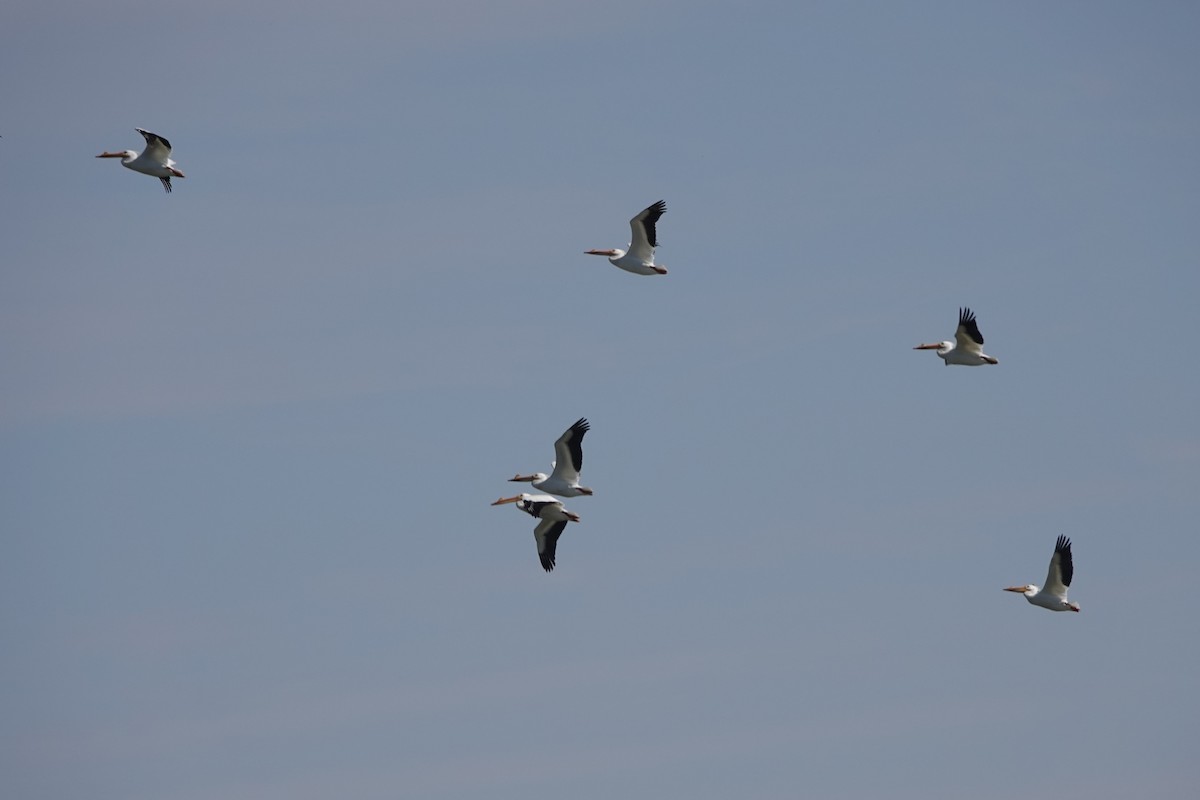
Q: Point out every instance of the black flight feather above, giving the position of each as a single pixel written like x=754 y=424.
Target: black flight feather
x=966 y=319
x=551 y=539
x=1062 y=549
x=575 y=445
x=652 y=214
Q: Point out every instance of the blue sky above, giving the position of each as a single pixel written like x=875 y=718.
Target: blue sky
x=249 y=431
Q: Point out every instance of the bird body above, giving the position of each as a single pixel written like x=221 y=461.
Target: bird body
x=1054 y=594
x=639 y=259
x=553 y=519
x=568 y=461
x=967 y=348
x=154 y=160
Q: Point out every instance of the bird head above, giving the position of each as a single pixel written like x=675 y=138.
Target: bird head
x=1028 y=589
x=614 y=253
x=537 y=476
x=129 y=154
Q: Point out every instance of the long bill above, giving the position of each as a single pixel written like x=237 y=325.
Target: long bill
x=937 y=346
x=1021 y=589
x=504 y=500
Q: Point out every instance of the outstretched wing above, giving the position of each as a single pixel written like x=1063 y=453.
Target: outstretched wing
x=568 y=452
x=967 y=336
x=157 y=149
x=644 y=236
x=1062 y=569
x=546 y=535
x=534 y=504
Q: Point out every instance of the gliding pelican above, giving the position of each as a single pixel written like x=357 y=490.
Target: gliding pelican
x=967 y=347
x=554 y=519
x=1054 y=594
x=640 y=257
x=568 y=460
x=154 y=160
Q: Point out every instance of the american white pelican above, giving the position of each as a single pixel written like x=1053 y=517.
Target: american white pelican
x=154 y=160
x=967 y=349
x=554 y=519
x=568 y=460
x=640 y=257
x=1054 y=594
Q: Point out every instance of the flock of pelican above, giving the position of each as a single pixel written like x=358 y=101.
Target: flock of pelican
x=563 y=480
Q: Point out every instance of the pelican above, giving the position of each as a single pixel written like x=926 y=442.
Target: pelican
x=154 y=160
x=640 y=256
x=1054 y=594
x=568 y=460
x=967 y=349
x=554 y=519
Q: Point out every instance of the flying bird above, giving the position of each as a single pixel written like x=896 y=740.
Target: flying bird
x=553 y=521
x=1054 y=594
x=640 y=256
x=568 y=461
x=967 y=347
x=154 y=160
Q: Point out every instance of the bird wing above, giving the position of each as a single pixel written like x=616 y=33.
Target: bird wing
x=644 y=236
x=568 y=452
x=157 y=149
x=546 y=534
x=1062 y=569
x=535 y=503
x=968 y=336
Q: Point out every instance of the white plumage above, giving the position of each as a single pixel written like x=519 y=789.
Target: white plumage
x=639 y=259
x=967 y=347
x=1054 y=594
x=154 y=160
x=553 y=521
x=568 y=461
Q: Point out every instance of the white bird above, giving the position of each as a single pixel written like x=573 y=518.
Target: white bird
x=554 y=519
x=1054 y=594
x=640 y=256
x=568 y=461
x=154 y=160
x=967 y=349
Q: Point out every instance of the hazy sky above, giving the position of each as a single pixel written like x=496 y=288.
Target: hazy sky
x=249 y=431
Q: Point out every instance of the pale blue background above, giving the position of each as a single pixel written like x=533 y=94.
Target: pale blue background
x=250 y=431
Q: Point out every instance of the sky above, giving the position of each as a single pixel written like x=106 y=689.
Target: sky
x=250 y=430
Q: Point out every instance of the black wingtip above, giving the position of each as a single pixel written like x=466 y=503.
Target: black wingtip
x=966 y=319
x=649 y=217
x=1066 y=563
x=150 y=137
